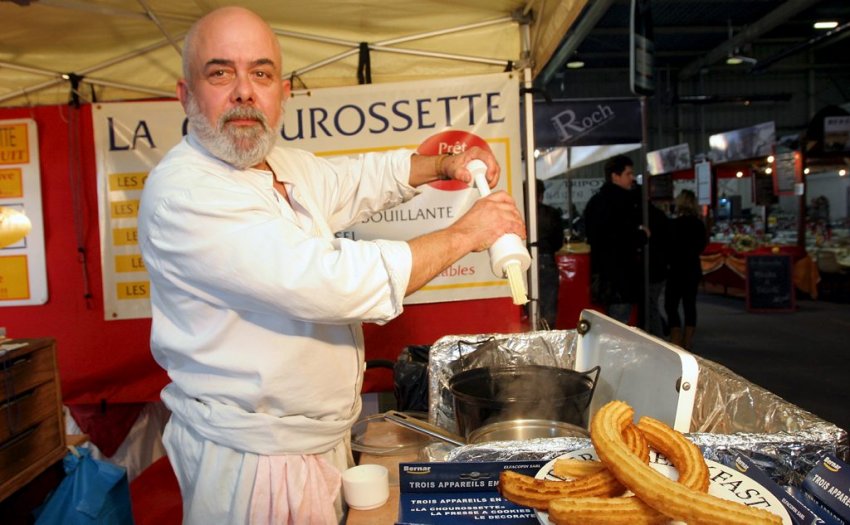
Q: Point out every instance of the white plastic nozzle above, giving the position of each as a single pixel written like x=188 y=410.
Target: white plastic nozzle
x=479 y=176
x=508 y=255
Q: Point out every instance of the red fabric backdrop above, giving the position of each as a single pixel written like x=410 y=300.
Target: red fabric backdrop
x=110 y=360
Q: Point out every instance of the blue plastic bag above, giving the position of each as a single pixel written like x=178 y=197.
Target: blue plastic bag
x=92 y=492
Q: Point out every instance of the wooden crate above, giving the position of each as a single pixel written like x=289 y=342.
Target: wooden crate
x=32 y=427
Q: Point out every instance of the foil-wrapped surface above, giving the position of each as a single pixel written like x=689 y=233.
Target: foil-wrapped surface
x=729 y=411
x=457 y=353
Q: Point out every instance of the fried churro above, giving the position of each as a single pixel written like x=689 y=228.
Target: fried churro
x=671 y=498
x=693 y=473
x=603 y=511
x=572 y=468
x=679 y=450
x=537 y=493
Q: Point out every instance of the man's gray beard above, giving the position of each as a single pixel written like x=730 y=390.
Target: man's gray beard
x=240 y=146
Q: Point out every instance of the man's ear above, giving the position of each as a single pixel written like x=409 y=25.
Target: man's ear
x=286 y=86
x=183 y=92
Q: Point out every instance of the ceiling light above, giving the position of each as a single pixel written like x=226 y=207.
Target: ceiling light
x=770 y=159
x=736 y=58
x=768 y=170
x=806 y=171
x=842 y=173
x=826 y=24
x=575 y=64
x=739 y=174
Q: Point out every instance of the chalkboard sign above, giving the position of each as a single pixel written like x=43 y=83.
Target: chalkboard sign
x=770 y=284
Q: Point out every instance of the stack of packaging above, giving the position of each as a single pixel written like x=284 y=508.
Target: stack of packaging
x=826 y=490
x=823 y=498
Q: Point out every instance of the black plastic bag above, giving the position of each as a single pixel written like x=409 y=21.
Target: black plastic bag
x=410 y=378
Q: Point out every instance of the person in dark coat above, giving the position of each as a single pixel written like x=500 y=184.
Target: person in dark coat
x=688 y=240
x=616 y=236
x=550 y=238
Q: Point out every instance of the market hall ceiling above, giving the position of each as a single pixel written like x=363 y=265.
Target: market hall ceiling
x=694 y=37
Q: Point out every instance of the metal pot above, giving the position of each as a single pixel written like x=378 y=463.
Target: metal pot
x=483 y=396
x=518 y=429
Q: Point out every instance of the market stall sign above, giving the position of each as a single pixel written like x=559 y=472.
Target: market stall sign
x=770 y=284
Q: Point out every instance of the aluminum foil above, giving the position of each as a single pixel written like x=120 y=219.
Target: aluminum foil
x=729 y=411
x=453 y=354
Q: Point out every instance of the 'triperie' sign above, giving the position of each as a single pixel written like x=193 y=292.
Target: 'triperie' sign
x=23 y=268
x=14 y=144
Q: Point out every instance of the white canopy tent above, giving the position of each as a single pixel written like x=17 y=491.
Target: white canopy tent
x=54 y=51
x=129 y=49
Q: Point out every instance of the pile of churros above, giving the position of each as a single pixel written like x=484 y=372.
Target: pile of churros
x=596 y=494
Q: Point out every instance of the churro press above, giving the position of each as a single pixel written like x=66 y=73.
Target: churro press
x=509 y=257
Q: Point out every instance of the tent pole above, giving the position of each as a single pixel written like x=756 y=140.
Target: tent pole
x=153 y=18
x=392 y=41
x=28 y=69
x=127 y=56
x=531 y=199
x=450 y=30
x=129 y=87
x=385 y=46
x=434 y=54
x=32 y=89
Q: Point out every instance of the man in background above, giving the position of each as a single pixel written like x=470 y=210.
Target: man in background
x=616 y=237
x=550 y=238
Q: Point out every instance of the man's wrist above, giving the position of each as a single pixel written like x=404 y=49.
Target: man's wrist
x=439 y=168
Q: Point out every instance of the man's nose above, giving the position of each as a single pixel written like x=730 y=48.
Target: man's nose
x=243 y=90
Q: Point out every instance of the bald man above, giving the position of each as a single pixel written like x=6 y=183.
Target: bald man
x=256 y=305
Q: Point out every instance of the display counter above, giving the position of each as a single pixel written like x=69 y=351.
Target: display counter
x=726 y=267
x=728 y=413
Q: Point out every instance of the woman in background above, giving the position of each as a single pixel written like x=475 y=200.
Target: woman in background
x=687 y=241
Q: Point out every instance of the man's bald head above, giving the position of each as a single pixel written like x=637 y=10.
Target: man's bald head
x=232 y=88
x=212 y=23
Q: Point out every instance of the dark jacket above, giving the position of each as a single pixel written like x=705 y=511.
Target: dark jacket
x=612 y=220
x=659 y=244
x=688 y=240
x=550 y=229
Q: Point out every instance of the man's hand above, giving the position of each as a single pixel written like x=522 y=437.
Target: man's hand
x=428 y=168
x=488 y=219
x=454 y=166
x=476 y=230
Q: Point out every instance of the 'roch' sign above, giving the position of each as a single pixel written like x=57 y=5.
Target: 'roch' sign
x=588 y=122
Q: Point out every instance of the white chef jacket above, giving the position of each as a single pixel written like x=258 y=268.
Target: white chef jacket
x=256 y=306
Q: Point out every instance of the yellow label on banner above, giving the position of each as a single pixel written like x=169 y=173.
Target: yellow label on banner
x=125 y=236
x=133 y=290
x=14 y=278
x=14 y=144
x=129 y=263
x=127 y=181
x=11 y=183
x=124 y=209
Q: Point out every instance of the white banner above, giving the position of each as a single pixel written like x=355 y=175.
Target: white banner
x=23 y=267
x=130 y=139
x=446 y=115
